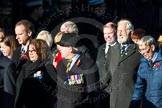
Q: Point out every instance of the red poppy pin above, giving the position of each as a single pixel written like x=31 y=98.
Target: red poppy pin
x=24 y=56
x=78 y=62
x=156 y=65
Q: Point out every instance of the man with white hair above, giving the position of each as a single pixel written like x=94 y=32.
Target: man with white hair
x=69 y=27
x=121 y=67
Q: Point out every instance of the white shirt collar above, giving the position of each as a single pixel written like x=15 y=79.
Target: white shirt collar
x=107 y=44
x=25 y=46
x=74 y=59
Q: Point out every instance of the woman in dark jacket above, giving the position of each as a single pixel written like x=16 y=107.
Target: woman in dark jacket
x=35 y=87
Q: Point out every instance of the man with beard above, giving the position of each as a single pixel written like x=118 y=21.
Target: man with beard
x=121 y=67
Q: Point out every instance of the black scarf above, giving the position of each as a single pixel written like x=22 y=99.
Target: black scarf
x=27 y=69
x=31 y=67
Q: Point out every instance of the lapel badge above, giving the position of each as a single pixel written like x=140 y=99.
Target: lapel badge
x=38 y=75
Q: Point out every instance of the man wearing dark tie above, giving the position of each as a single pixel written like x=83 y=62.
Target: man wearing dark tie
x=109 y=33
x=121 y=67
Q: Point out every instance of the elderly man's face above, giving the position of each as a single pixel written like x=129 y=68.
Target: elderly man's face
x=122 y=33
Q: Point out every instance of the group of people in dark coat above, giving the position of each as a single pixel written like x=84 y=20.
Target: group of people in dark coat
x=131 y=81
x=36 y=78
x=118 y=78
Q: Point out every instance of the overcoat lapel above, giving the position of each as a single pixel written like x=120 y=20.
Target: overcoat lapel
x=104 y=47
x=130 y=50
x=116 y=53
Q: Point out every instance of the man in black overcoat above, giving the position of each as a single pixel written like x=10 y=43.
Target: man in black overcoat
x=121 y=67
x=109 y=32
x=76 y=80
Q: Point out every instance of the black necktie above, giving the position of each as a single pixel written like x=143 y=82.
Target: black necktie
x=151 y=63
x=122 y=50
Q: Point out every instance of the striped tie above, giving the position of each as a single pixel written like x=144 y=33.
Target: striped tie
x=22 y=51
x=68 y=65
x=122 y=50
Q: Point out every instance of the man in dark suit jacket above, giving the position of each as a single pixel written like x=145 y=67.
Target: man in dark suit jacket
x=76 y=80
x=109 y=32
x=7 y=82
x=121 y=67
x=23 y=31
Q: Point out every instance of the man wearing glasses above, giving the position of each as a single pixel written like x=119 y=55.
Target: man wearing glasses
x=148 y=87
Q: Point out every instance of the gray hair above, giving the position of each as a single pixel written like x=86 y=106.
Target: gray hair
x=147 y=40
x=128 y=23
x=72 y=27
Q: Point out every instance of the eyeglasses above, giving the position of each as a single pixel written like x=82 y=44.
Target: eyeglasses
x=31 y=51
x=146 y=50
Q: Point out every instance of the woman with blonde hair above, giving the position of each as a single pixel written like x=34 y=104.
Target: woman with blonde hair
x=57 y=55
x=47 y=36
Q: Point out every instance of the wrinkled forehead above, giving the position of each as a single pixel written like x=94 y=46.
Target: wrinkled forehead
x=121 y=26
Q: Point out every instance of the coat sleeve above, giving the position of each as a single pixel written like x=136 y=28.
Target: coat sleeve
x=139 y=88
x=10 y=85
x=138 y=92
x=10 y=79
x=92 y=79
x=106 y=77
